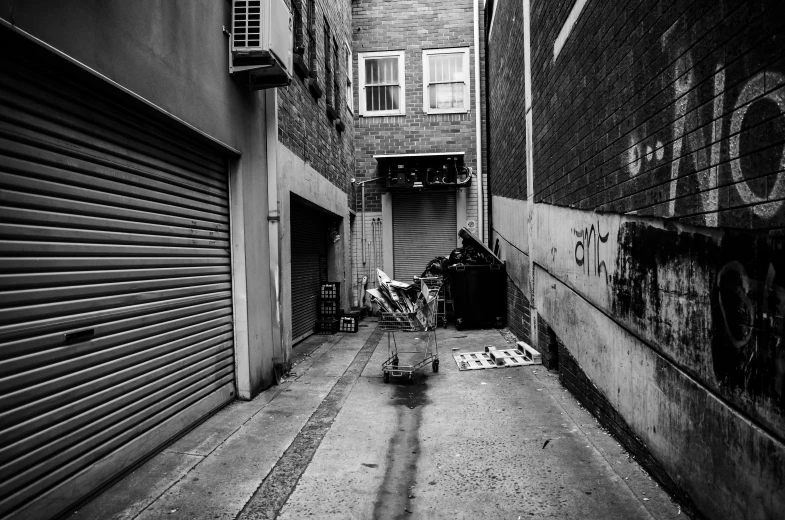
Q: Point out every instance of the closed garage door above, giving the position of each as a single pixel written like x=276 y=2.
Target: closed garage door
x=115 y=299
x=309 y=256
x=424 y=227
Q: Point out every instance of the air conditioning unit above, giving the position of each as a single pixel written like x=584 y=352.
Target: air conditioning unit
x=262 y=40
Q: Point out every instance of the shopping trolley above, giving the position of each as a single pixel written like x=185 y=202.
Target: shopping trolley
x=424 y=319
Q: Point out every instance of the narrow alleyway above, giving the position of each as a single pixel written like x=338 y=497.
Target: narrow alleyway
x=335 y=441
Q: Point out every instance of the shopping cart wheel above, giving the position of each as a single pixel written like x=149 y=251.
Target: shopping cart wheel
x=386 y=377
x=435 y=365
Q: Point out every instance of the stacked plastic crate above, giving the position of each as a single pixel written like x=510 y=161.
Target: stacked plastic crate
x=329 y=308
x=349 y=322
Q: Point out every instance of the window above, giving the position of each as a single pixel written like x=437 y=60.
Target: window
x=446 y=81
x=349 y=78
x=311 y=36
x=328 y=68
x=299 y=37
x=336 y=77
x=382 y=86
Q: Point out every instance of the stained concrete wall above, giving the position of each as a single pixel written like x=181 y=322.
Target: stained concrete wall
x=655 y=237
x=174 y=55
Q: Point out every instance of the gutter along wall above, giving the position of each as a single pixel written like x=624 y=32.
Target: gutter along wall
x=656 y=228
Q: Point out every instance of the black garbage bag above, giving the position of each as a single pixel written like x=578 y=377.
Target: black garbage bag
x=436 y=267
x=456 y=257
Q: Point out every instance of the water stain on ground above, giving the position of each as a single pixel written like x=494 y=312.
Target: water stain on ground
x=395 y=499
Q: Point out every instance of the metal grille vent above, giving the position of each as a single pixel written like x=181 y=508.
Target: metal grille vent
x=247 y=21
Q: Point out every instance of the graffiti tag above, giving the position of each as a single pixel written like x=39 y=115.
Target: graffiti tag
x=587 y=250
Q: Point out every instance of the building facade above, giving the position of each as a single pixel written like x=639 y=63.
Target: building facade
x=636 y=174
x=417 y=108
x=162 y=220
x=314 y=158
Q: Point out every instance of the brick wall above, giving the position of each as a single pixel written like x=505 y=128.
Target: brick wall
x=506 y=99
x=518 y=313
x=303 y=125
x=675 y=110
x=411 y=26
x=672 y=110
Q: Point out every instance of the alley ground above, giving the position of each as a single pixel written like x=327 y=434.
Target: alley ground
x=334 y=441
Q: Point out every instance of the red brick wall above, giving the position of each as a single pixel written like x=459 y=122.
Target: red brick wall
x=411 y=26
x=506 y=100
x=673 y=110
x=303 y=125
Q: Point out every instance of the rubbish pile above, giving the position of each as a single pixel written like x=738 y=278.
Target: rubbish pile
x=469 y=254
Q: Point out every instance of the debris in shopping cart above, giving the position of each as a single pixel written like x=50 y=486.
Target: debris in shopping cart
x=408 y=308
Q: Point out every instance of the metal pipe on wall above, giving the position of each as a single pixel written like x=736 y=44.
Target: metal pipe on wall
x=362 y=196
x=478 y=121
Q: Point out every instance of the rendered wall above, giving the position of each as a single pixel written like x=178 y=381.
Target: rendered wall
x=174 y=55
x=656 y=229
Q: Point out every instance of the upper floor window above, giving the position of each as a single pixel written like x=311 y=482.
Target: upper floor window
x=337 y=76
x=311 y=13
x=382 y=86
x=349 y=78
x=446 y=80
x=328 y=65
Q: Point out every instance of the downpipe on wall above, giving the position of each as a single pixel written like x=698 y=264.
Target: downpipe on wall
x=478 y=121
x=273 y=230
x=527 y=89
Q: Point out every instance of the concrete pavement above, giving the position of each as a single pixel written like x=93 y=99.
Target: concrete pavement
x=335 y=441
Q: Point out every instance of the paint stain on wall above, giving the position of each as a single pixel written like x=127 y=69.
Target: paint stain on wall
x=748 y=317
x=715 y=304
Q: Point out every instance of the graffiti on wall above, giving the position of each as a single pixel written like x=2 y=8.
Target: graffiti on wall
x=748 y=315
x=589 y=253
x=715 y=304
x=716 y=139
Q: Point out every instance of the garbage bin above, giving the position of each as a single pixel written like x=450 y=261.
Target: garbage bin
x=479 y=292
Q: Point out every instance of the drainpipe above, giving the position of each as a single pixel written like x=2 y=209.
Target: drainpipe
x=273 y=231
x=527 y=89
x=478 y=119
x=488 y=141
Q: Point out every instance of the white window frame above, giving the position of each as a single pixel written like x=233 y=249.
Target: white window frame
x=467 y=77
x=361 y=57
x=349 y=77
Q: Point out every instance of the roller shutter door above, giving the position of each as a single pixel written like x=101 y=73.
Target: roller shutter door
x=424 y=227
x=308 y=253
x=115 y=299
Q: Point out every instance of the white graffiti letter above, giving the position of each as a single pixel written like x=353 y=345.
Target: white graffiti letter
x=749 y=94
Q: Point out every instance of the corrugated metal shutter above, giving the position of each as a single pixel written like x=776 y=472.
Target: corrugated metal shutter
x=115 y=284
x=424 y=227
x=308 y=246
